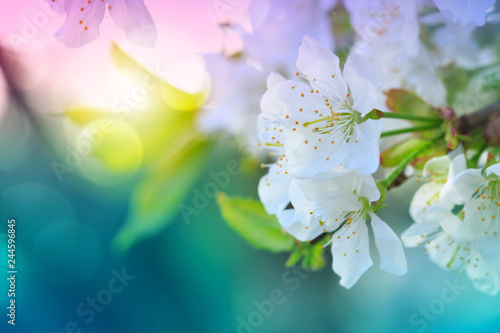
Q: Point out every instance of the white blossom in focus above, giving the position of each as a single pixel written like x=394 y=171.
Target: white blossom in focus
x=322 y=117
x=342 y=200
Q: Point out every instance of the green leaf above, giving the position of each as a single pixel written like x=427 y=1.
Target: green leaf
x=294 y=258
x=439 y=149
x=395 y=154
x=156 y=200
x=398 y=152
x=314 y=257
x=249 y=219
x=406 y=102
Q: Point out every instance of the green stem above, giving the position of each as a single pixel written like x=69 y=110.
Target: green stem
x=448 y=265
x=480 y=69
x=411 y=117
x=394 y=174
x=409 y=130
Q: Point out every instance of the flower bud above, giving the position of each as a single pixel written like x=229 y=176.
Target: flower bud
x=448 y=113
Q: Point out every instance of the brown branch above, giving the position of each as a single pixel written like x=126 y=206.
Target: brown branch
x=469 y=122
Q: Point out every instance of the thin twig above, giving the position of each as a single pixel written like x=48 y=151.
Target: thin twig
x=469 y=122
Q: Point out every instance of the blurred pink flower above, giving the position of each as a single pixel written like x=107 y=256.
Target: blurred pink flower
x=83 y=18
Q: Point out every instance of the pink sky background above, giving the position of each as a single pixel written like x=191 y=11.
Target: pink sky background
x=191 y=16
x=58 y=75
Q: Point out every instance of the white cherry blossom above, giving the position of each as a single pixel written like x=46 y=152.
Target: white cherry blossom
x=480 y=197
x=340 y=201
x=323 y=115
x=458 y=222
x=450 y=253
x=274 y=187
x=437 y=171
x=388 y=27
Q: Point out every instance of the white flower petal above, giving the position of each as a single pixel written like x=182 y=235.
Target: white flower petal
x=437 y=166
x=367 y=188
x=445 y=252
x=133 y=17
x=315 y=188
x=331 y=205
x=274 y=78
x=292 y=99
x=457 y=165
x=423 y=199
x=273 y=190
x=454 y=226
x=418 y=233
x=321 y=68
x=269 y=132
x=467 y=12
x=302 y=204
x=483 y=274
x=323 y=197
x=392 y=256
x=351 y=253
x=295 y=227
x=363 y=79
x=482 y=217
x=363 y=155
x=287 y=218
x=495 y=168
x=308 y=156
x=460 y=188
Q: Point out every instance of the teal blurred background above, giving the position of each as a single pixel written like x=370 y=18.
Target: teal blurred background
x=198 y=276
x=193 y=275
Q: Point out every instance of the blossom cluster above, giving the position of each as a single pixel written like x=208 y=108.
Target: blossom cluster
x=327 y=152
x=323 y=130
x=335 y=111
x=457 y=217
